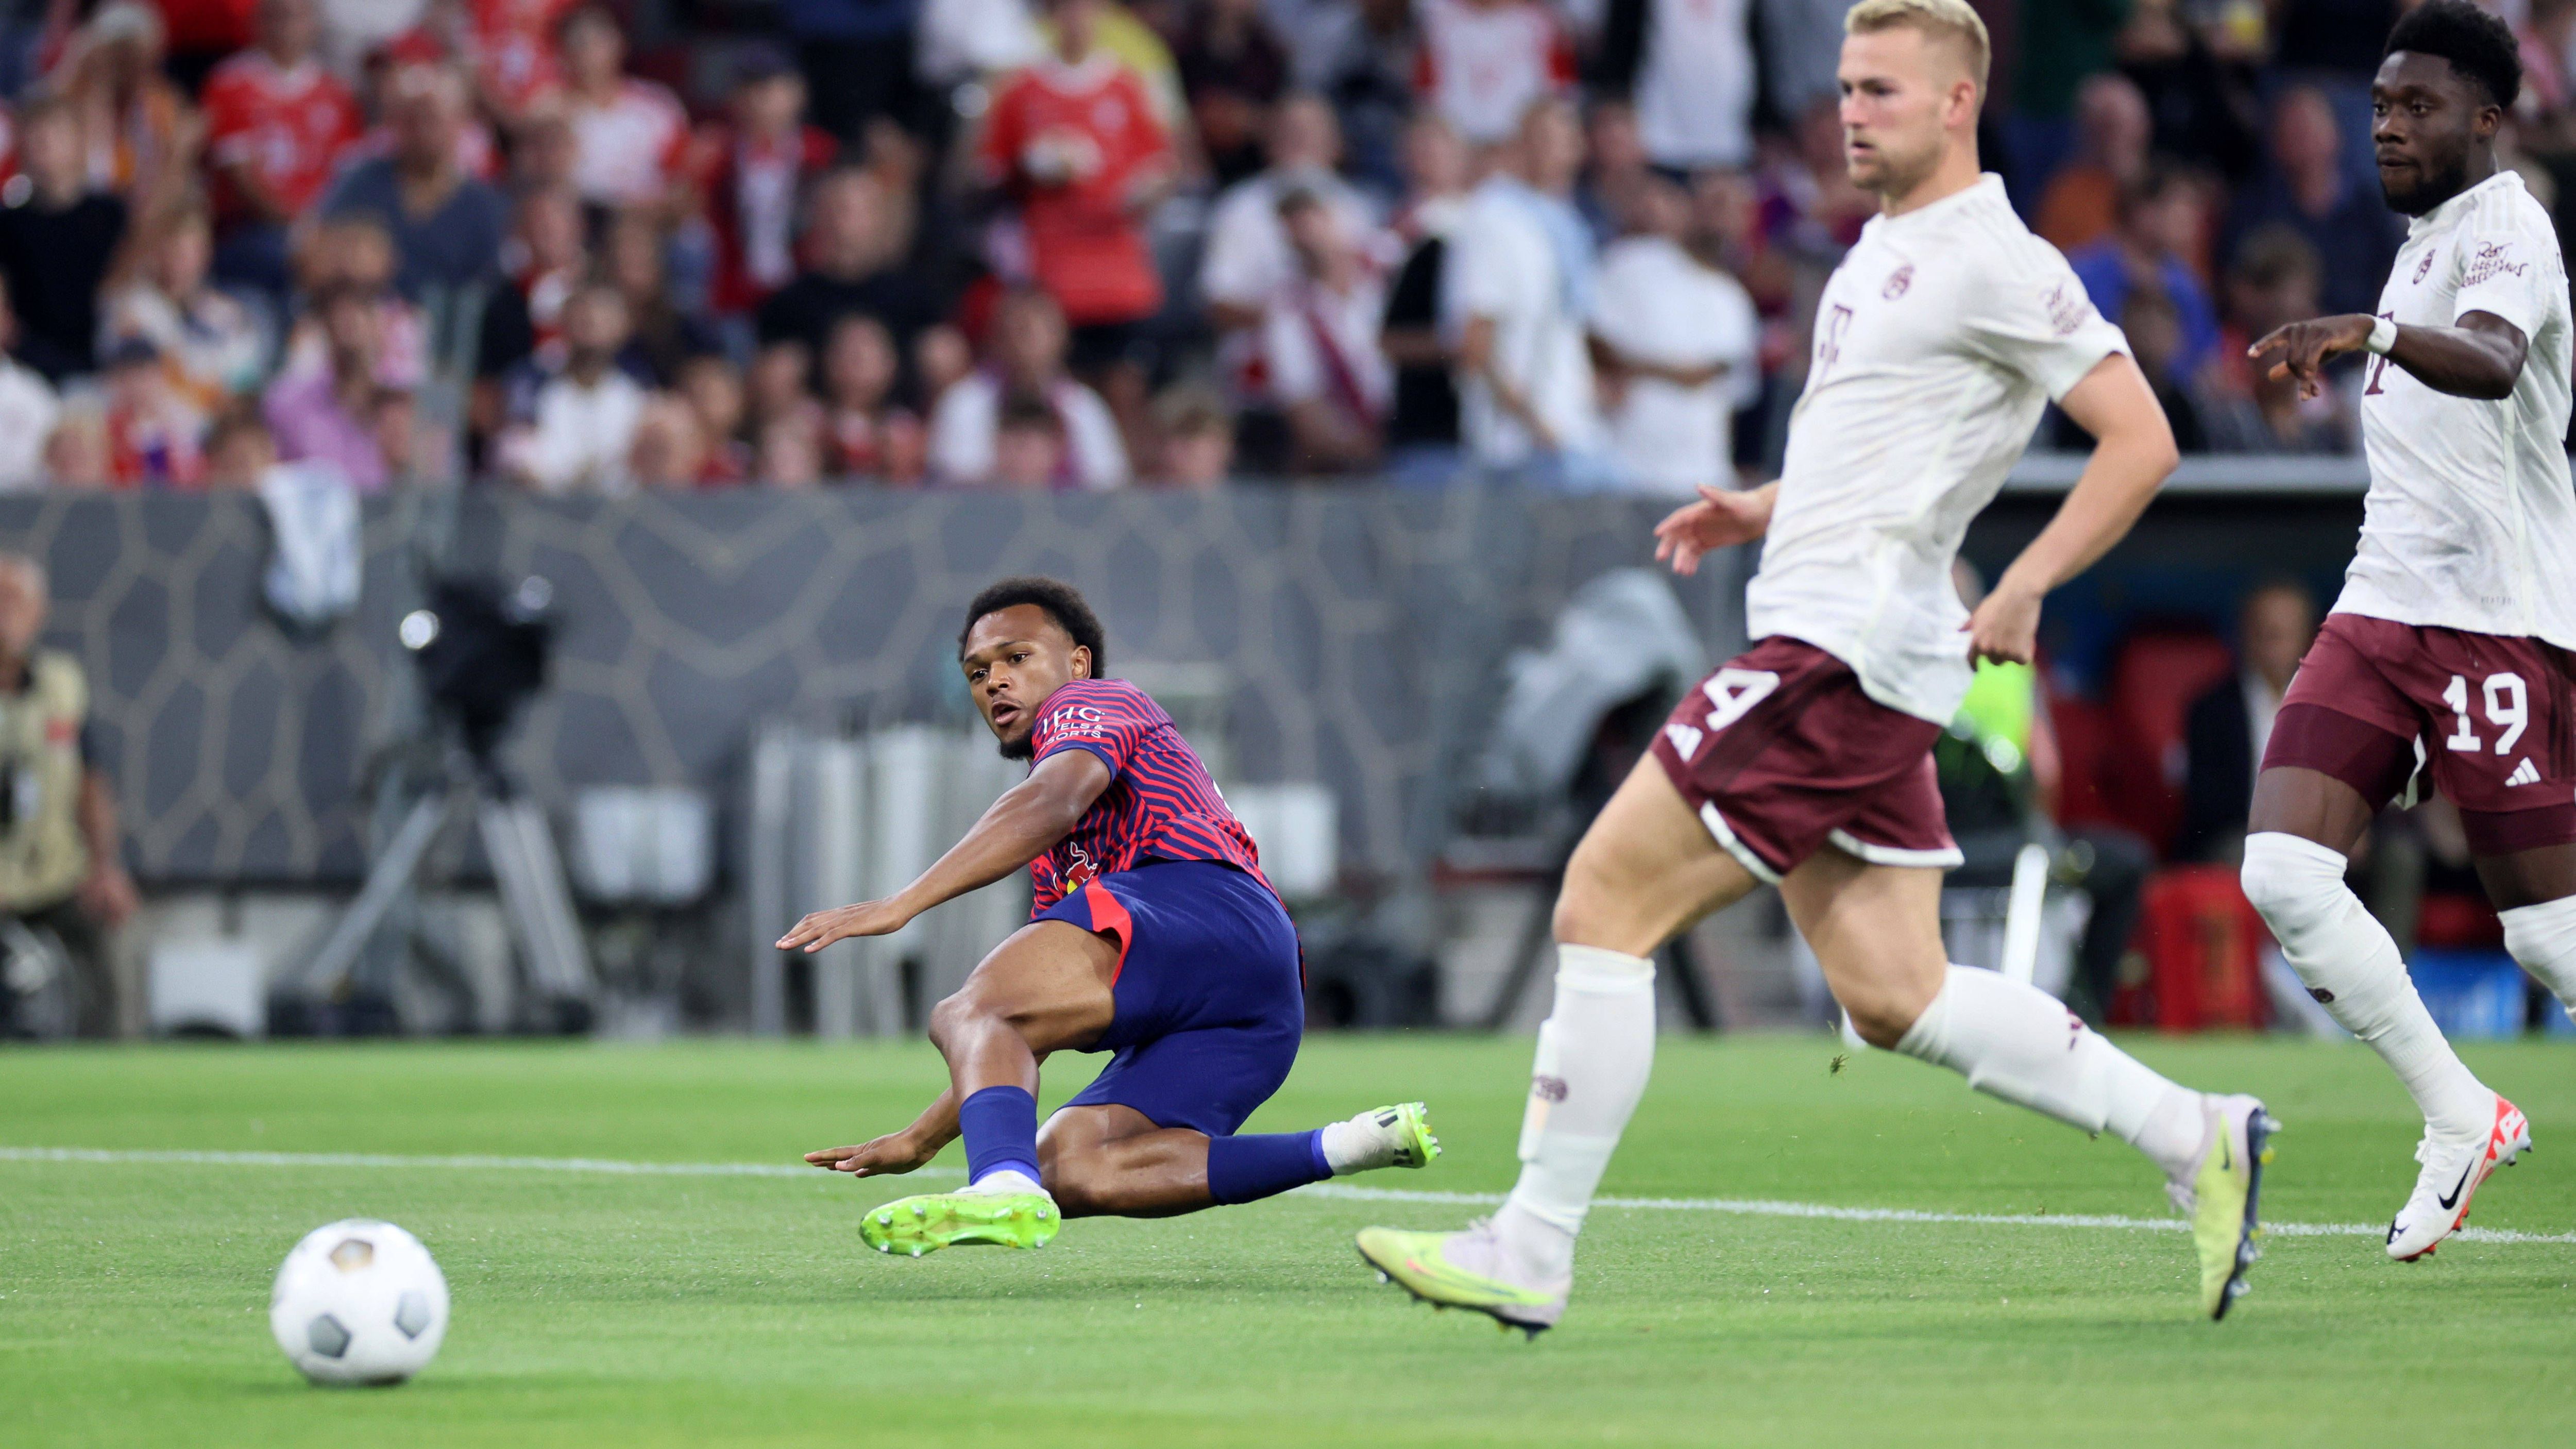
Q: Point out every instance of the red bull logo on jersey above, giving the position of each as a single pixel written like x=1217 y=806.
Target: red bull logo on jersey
x=1079 y=869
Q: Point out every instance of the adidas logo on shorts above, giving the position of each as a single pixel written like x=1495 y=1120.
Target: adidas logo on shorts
x=2523 y=774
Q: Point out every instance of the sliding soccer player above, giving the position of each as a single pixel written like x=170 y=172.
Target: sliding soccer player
x=1154 y=936
x=1806 y=762
x=2449 y=649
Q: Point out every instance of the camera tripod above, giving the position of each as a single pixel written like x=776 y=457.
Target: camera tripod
x=534 y=901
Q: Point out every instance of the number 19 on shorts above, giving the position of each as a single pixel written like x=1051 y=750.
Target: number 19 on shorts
x=2508 y=708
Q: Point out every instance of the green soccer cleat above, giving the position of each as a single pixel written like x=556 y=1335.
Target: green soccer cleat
x=913 y=1226
x=1405 y=1129
x=2224 y=1197
x=1464 y=1270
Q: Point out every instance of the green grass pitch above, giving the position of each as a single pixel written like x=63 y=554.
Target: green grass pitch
x=595 y=1308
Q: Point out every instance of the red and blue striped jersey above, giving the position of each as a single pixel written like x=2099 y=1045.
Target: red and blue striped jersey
x=1160 y=804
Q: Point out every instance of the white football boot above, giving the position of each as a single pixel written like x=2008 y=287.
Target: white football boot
x=2453 y=1171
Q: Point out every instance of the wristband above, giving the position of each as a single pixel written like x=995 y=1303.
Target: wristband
x=2383 y=336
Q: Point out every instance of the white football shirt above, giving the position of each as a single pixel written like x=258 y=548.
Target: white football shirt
x=2471 y=519
x=1938 y=341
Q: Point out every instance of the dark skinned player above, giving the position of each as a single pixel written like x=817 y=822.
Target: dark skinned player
x=2448 y=653
x=1154 y=936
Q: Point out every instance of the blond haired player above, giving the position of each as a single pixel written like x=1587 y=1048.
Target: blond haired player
x=1806 y=762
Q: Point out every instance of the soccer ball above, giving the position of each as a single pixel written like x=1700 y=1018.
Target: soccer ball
x=359 y=1302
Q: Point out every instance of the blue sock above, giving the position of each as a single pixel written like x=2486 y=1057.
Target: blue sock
x=1248 y=1169
x=1000 y=1125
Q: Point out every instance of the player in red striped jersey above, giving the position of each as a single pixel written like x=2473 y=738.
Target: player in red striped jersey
x=1154 y=936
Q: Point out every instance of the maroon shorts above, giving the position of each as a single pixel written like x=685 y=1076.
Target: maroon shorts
x=1781 y=753
x=2493 y=718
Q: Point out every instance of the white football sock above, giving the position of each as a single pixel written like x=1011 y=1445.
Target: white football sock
x=1595 y=1051
x=1361 y=1144
x=2543 y=939
x=2012 y=1040
x=2352 y=967
x=1350 y=1147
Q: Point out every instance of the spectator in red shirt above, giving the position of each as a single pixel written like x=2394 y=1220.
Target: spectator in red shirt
x=1073 y=138
x=275 y=125
x=511 y=44
x=755 y=166
x=151 y=432
x=630 y=135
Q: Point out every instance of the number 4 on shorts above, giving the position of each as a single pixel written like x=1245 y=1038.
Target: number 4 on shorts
x=1731 y=692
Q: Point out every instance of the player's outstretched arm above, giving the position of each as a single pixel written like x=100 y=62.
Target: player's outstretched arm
x=2479 y=356
x=2133 y=453
x=1720 y=519
x=897 y=1152
x=1023 y=824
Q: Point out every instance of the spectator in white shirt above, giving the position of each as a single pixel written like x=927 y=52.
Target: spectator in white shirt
x=28 y=410
x=1484 y=62
x=631 y=136
x=1248 y=258
x=1674 y=338
x=1319 y=344
x=581 y=431
x=1516 y=290
x=1688 y=67
x=1027 y=364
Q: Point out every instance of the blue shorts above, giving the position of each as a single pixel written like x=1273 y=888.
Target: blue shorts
x=1209 y=1004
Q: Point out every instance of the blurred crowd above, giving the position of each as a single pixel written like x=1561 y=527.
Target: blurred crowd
x=574 y=246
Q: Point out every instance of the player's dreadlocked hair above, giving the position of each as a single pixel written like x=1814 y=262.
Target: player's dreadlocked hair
x=1061 y=601
x=2478 y=45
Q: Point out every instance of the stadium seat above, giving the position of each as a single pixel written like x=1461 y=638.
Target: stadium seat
x=2474 y=995
x=2457 y=919
x=2086 y=747
x=2203 y=943
x=2159 y=672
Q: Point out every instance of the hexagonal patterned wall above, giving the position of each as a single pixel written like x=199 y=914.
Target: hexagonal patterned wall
x=1363 y=632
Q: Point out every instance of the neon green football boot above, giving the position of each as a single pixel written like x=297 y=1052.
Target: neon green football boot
x=1470 y=1270
x=933 y=1220
x=2224 y=1195
x=1392 y=1136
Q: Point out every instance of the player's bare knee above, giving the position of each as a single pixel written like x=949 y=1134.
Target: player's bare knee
x=1882 y=1018
x=1600 y=905
x=961 y=1017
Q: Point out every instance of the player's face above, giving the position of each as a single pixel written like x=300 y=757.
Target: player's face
x=1014 y=659
x=1898 y=86
x=2425 y=120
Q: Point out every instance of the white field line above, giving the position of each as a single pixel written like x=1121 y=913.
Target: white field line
x=1740 y=1207
x=470 y=1164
